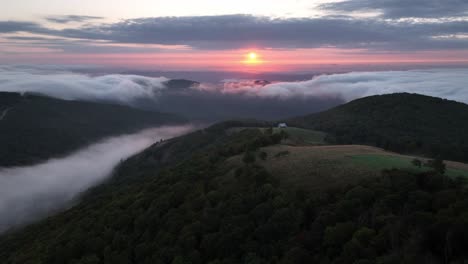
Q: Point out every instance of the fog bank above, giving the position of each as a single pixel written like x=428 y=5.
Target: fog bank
x=30 y=193
x=235 y=98
x=118 y=88
x=443 y=83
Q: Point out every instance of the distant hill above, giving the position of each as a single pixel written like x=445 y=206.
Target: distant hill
x=213 y=197
x=405 y=123
x=34 y=128
x=181 y=84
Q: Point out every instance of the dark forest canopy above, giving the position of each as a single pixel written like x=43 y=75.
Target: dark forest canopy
x=182 y=202
x=404 y=123
x=36 y=127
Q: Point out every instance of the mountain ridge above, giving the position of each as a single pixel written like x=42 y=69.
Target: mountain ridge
x=37 y=127
x=402 y=122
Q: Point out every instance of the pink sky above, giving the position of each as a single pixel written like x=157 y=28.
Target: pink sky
x=217 y=35
x=235 y=60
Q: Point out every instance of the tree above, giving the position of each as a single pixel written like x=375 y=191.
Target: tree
x=417 y=163
x=249 y=157
x=437 y=165
x=339 y=234
x=263 y=155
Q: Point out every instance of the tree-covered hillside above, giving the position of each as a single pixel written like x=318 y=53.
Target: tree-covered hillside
x=34 y=128
x=405 y=123
x=183 y=202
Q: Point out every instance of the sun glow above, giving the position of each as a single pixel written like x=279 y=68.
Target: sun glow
x=252 y=58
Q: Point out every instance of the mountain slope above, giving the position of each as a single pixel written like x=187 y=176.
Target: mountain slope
x=405 y=123
x=182 y=202
x=34 y=128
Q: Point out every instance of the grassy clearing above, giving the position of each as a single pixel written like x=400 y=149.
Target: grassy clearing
x=312 y=167
x=300 y=136
x=324 y=167
x=385 y=161
x=389 y=161
x=297 y=136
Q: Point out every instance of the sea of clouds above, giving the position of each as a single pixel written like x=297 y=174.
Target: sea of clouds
x=445 y=83
x=127 y=89
x=70 y=85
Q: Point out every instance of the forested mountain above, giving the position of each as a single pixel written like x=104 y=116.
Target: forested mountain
x=405 y=123
x=183 y=201
x=34 y=128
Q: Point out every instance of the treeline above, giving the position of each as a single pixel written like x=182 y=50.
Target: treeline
x=404 y=123
x=204 y=209
x=37 y=128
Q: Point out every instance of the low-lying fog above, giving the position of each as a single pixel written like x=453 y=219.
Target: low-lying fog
x=235 y=98
x=30 y=193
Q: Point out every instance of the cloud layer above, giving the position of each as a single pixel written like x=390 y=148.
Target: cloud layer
x=443 y=83
x=68 y=85
x=152 y=93
x=378 y=25
x=29 y=193
x=403 y=8
x=235 y=98
x=71 y=18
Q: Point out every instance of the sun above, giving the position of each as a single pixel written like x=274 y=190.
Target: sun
x=252 y=58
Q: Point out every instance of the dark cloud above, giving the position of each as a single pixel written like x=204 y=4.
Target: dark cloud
x=77 y=46
x=16 y=26
x=34 y=38
x=234 y=31
x=240 y=31
x=404 y=8
x=71 y=18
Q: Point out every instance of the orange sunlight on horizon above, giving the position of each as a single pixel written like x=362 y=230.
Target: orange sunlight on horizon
x=258 y=60
x=252 y=59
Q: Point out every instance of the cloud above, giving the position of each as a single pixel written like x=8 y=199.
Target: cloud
x=207 y=102
x=75 y=86
x=71 y=18
x=240 y=31
x=443 y=83
x=17 y=26
x=84 y=46
x=234 y=98
x=404 y=8
x=30 y=193
x=237 y=31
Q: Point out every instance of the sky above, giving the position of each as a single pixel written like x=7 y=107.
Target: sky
x=251 y=36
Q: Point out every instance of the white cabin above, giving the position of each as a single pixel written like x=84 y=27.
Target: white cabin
x=282 y=125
